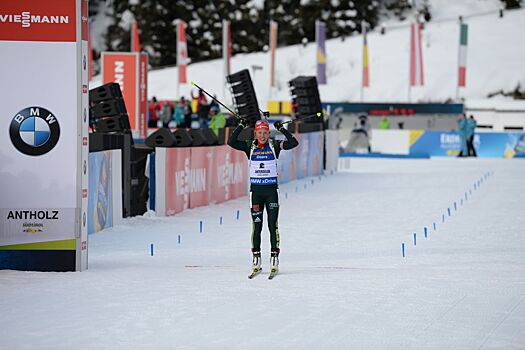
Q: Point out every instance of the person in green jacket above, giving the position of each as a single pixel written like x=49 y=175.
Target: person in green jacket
x=217 y=121
x=262 y=153
x=384 y=124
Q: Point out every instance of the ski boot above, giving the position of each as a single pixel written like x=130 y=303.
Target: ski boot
x=256 y=264
x=274 y=264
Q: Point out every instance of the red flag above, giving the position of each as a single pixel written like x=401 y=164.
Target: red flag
x=182 y=51
x=416 y=56
x=135 y=41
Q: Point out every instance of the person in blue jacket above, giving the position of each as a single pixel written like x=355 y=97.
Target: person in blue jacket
x=463 y=133
x=471 y=127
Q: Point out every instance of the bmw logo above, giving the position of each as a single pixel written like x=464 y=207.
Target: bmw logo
x=34 y=131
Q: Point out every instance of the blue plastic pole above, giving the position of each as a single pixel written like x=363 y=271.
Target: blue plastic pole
x=238 y=214
x=179 y=239
x=448 y=209
x=455 y=206
x=221 y=221
x=415 y=238
x=426 y=232
x=201 y=226
x=151 y=248
x=443 y=218
x=403 y=249
x=434 y=224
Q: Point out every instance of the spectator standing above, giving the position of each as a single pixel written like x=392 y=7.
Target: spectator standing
x=218 y=120
x=471 y=128
x=384 y=123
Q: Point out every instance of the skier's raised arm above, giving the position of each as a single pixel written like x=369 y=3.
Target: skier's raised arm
x=291 y=141
x=233 y=141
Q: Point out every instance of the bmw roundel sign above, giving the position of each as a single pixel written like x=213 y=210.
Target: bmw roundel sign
x=34 y=131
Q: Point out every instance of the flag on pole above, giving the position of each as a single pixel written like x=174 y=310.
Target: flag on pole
x=135 y=41
x=182 y=51
x=320 y=37
x=273 y=46
x=462 y=57
x=366 y=72
x=416 y=56
x=226 y=46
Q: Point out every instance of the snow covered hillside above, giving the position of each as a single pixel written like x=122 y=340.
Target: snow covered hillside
x=496 y=60
x=343 y=283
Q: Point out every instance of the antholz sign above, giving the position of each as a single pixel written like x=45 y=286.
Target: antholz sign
x=45 y=148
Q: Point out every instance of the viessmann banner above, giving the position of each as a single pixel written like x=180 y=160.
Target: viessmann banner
x=43 y=134
x=130 y=71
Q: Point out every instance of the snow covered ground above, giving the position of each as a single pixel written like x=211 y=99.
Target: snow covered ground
x=343 y=283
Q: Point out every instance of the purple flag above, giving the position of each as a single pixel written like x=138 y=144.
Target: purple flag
x=320 y=36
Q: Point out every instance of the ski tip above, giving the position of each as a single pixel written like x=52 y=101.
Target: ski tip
x=319 y=114
x=192 y=83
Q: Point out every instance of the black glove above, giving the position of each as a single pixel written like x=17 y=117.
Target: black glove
x=278 y=125
x=243 y=123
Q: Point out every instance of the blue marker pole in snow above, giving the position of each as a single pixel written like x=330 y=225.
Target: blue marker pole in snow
x=434 y=224
x=403 y=249
x=461 y=202
x=178 y=239
x=426 y=231
x=312 y=181
x=220 y=221
x=415 y=238
x=443 y=218
x=151 y=249
x=238 y=213
x=465 y=195
x=286 y=195
x=455 y=206
x=201 y=226
x=448 y=209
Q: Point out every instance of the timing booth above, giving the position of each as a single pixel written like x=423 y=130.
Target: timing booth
x=44 y=135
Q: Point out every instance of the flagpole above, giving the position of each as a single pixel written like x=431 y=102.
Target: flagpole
x=224 y=56
x=459 y=59
x=363 y=29
x=177 y=94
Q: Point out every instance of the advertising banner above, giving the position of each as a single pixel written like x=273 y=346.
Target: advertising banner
x=129 y=70
x=301 y=155
x=239 y=178
x=176 y=175
x=487 y=144
x=286 y=166
x=105 y=190
x=230 y=169
x=315 y=153
x=198 y=180
x=44 y=145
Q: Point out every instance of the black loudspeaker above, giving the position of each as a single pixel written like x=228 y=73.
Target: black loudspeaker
x=305 y=96
x=244 y=96
x=197 y=137
x=161 y=138
x=165 y=138
x=303 y=127
x=107 y=92
x=182 y=138
x=109 y=125
x=210 y=139
x=109 y=108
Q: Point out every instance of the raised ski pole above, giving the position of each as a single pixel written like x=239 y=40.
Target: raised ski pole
x=216 y=100
x=316 y=115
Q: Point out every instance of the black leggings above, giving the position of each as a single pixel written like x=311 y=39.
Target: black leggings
x=264 y=197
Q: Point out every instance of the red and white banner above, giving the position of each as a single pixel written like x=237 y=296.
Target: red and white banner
x=192 y=177
x=177 y=169
x=230 y=176
x=198 y=181
x=416 y=56
x=130 y=71
x=182 y=51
